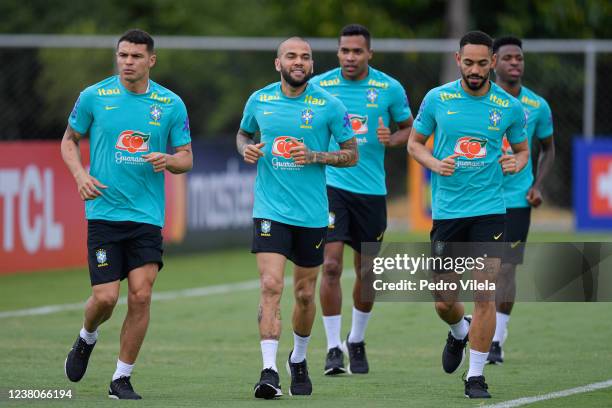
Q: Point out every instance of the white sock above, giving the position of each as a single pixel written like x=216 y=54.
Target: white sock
x=300 y=344
x=123 y=370
x=460 y=329
x=359 y=325
x=333 y=325
x=90 y=338
x=268 y=353
x=477 y=363
x=501 y=325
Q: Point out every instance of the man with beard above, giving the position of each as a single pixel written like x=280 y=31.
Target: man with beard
x=296 y=121
x=469 y=118
x=357 y=195
x=521 y=192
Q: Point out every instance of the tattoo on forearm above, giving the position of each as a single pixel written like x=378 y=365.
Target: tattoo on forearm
x=345 y=157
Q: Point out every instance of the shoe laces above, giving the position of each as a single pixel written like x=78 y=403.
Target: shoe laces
x=358 y=350
x=478 y=381
x=334 y=353
x=123 y=383
x=301 y=372
x=455 y=344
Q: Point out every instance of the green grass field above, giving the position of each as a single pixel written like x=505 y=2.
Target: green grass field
x=204 y=350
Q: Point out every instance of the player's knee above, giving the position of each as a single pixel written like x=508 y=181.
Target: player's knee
x=106 y=300
x=332 y=269
x=140 y=297
x=271 y=286
x=444 y=307
x=304 y=296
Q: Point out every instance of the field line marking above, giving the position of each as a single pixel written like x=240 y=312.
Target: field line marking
x=557 y=394
x=157 y=296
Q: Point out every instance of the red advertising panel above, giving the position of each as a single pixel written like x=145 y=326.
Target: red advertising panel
x=601 y=185
x=43 y=218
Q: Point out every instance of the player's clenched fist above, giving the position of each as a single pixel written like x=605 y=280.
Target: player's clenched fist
x=446 y=167
x=508 y=163
x=252 y=152
x=301 y=154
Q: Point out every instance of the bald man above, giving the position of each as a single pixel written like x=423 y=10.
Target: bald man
x=295 y=121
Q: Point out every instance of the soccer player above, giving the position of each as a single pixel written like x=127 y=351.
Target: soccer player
x=357 y=203
x=521 y=191
x=469 y=118
x=130 y=120
x=296 y=121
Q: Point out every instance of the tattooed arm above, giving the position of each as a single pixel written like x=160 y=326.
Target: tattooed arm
x=347 y=156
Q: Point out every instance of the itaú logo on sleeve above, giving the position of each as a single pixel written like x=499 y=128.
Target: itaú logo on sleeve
x=282 y=145
x=471 y=147
x=133 y=141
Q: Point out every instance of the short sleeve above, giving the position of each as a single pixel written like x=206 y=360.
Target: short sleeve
x=544 y=126
x=81 y=116
x=180 y=133
x=399 y=107
x=425 y=122
x=249 y=121
x=339 y=123
x=517 y=132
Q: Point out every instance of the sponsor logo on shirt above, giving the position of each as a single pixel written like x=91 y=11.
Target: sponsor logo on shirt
x=530 y=102
x=280 y=149
x=445 y=96
x=378 y=84
x=162 y=99
x=133 y=141
x=359 y=124
x=471 y=147
x=504 y=103
x=309 y=99
x=269 y=98
x=108 y=91
x=330 y=82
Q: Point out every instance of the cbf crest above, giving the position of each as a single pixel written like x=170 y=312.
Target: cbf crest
x=495 y=116
x=372 y=96
x=155 y=111
x=101 y=257
x=266 y=226
x=307 y=116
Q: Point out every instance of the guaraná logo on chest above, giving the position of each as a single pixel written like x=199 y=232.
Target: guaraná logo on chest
x=133 y=141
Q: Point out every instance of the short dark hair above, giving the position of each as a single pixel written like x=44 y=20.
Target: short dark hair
x=508 y=40
x=355 y=29
x=137 y=36
x=476 y=38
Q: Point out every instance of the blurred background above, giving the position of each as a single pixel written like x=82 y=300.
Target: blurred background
x=214 y=54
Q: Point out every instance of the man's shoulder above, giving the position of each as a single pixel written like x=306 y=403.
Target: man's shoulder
x=268 y=93
x=531 y=99
x=317 y=95
x=327 y=79
x=107 y=86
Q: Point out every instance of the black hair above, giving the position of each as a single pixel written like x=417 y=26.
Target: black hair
x=356 y=29
x=476 y=38
x=508 y=40
x=137 y=36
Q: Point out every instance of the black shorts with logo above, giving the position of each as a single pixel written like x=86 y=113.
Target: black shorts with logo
x=517 y=229
x=356 y=218
x=116 y=247
x=479 y=230
x=301 y=245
